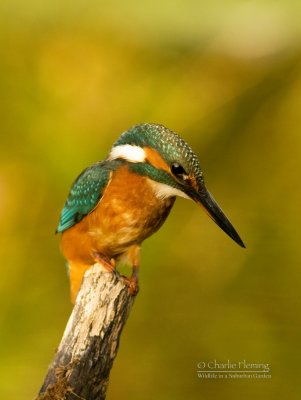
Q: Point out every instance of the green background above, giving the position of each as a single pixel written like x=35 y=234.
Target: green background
x=226 y=75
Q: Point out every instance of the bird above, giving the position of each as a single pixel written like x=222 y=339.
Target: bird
x=115 y=204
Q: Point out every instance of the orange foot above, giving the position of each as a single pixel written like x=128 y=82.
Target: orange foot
x=133 y=281
x=108 y=264
x=133 y=284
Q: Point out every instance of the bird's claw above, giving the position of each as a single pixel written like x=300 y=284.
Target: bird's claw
x=108 y=264
x=133 y=284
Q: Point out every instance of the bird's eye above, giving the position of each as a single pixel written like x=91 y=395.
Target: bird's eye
x=178 y=170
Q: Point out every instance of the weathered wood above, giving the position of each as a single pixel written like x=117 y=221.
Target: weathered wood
x=82 y=364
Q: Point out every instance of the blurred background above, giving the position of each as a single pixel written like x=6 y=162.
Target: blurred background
x=226 y=75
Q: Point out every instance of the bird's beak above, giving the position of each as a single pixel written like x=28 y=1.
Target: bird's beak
x=205 y=199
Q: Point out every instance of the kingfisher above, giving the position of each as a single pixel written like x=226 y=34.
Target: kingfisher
x=115 y=204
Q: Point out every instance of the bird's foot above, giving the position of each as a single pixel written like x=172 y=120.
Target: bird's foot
x=108 y=264
x=133 y=284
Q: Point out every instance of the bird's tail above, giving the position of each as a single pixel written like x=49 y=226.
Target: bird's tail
x=76 y=274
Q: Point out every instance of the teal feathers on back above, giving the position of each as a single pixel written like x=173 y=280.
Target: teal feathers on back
x=84 y=195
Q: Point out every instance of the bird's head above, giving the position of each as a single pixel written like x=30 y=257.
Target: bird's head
x=173 y=168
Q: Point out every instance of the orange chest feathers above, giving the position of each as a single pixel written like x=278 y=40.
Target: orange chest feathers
x=128 y=212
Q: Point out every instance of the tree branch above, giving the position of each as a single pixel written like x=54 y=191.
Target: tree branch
x=82 y=363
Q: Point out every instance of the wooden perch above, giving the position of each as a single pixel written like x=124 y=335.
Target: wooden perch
x=82 y=363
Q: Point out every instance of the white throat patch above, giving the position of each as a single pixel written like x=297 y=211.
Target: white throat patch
x=163 y=191
x=128 y=152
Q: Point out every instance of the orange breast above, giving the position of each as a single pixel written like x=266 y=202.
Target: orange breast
x=128 y=213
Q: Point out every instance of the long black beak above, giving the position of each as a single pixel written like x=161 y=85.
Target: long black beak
x=215 y=212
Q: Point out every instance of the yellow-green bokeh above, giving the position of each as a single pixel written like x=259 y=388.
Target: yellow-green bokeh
x=227 y=77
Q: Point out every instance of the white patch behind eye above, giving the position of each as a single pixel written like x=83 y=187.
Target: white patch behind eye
x=163 y=191
x=128 y=152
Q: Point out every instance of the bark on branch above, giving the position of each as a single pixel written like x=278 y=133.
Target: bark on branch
x=82 y=363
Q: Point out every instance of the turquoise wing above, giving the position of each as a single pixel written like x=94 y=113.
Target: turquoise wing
x=85 y=193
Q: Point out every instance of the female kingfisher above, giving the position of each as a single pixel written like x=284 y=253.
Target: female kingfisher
x=115 y=204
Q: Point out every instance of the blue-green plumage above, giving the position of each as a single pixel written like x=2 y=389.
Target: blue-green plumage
x=85 y=193
x=157 y=175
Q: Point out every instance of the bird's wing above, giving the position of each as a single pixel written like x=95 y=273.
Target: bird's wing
x=85 y=193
